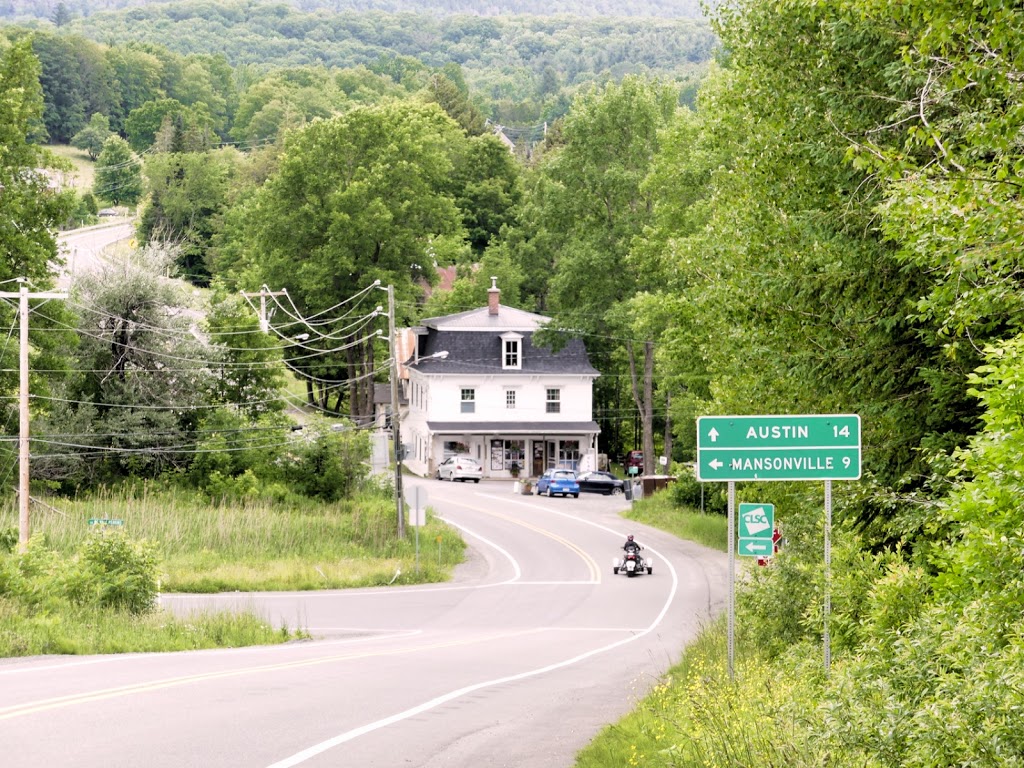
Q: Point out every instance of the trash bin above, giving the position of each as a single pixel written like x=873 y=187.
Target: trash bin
x=652 y=483
x=627 y=488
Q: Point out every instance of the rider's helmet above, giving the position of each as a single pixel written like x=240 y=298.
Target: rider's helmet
x=630 y=537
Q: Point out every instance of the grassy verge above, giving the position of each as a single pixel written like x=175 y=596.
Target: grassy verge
x=79 y=630
x=260 y=546
x=199 y=547
x=659 y=511
x=696 y=716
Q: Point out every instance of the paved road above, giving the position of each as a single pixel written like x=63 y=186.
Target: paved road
x=519 y=662
x=83 y=248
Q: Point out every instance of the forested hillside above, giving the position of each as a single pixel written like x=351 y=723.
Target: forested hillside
x=689 y=9
x=267 y=60
x=502 y=58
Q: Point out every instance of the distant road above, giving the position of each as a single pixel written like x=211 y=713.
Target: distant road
x=83 y=248
x=517 y=663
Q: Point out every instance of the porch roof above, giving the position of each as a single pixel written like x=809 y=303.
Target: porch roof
x=543 y=428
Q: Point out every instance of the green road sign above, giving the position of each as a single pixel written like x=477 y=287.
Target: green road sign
x=803 y=447
x=756 y=526
x=105 y=521
x=754 y=548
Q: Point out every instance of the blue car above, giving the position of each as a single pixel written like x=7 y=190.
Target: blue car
x=558 y=481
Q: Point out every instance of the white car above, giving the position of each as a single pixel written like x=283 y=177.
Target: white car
x=460 y=468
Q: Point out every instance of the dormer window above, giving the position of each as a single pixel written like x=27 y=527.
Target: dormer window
x=511 y=351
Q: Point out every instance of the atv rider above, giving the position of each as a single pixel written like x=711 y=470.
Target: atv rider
x=630 y=545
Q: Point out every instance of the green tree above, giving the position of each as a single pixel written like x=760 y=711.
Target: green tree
x=142 y=380
x=361 y=86
x=454 y=100
x=250 y=374
x=597 y=202
x=138 y=75
x=61 y=15
x=472 y=282
x=357 y=198
x=284 y=100
x=64 y=97
x=31 y=210
x=145 y=121
x=99 y=88
x=485 y=184
x=92 y=137
x=118 y=173
x=186 y=195
x=794 y=275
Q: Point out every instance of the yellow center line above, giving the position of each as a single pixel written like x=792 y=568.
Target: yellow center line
x=592 y=566
x=44 y=705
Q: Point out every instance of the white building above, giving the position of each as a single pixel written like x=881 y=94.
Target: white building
x=476 y=385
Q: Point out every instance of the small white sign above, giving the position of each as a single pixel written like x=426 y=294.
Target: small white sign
x=416 y=497
x=663 y=460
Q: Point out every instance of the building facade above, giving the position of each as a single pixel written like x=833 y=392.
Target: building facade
x=477 y=385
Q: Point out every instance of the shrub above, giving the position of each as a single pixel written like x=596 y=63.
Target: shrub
x=8 y=539
x=687 y=491
x=330 y=465
x=112 y=571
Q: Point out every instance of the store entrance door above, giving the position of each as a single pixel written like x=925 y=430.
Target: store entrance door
x=538 y=458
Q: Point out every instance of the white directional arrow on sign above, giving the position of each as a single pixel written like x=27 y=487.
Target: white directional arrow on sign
x=714 y=464
x=757 y=547
x=713 y=434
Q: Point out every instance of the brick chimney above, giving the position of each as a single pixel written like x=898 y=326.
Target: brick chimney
x=492 y=296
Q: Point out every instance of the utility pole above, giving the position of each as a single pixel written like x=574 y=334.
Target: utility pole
x=396 y=434
x=264 y=292
x=23 y=454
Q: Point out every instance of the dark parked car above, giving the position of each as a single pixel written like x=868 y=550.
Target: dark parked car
x=558 y=482
x=600 y=482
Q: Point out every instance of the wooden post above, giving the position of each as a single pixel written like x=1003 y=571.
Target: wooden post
x=23 y=295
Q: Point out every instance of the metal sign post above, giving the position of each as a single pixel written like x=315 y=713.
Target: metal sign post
x=828 y=575
x=731 y=525
x=417 y=503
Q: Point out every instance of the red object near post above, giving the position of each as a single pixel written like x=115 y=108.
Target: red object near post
x=776 y=543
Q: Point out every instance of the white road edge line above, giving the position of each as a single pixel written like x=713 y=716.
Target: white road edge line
x=300 y=757
x=515 y=564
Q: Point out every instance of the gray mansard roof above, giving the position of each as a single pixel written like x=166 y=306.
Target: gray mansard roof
x=506 y=319
x=474 y=345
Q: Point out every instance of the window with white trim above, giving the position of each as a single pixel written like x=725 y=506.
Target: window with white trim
x=511 y=354
x=468 y=401
x=554 y=401
x=510 y=399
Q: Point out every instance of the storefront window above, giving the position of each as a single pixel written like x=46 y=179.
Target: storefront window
x=505 y=453
x=569 y=453
x=454 y=448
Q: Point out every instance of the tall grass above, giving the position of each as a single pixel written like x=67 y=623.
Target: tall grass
x=660 y=511
x=78 y=630
x=257 y=545
x=697 y=717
